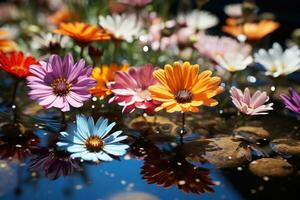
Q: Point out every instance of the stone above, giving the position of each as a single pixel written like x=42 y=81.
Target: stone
x=286 y=146
x=226 y=153
x=271 y=167
x=252 y=130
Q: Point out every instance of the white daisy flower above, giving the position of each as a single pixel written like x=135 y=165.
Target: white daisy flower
x=278 y=62
x=233 y=62
x=122 y=27
x=198 y=20
x=47 y=40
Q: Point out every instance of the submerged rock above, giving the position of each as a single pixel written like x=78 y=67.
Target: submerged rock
x=275 y=167
x=251 y=131
x=226 y=153
x=286 y=146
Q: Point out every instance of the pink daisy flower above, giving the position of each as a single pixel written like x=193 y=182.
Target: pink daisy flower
x=131 y=89
x=250 y=105
x=60 y=83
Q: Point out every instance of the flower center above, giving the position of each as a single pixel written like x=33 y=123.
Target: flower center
x=183 y=96
x=144 y=94
x=94 y=143
x=61 y=87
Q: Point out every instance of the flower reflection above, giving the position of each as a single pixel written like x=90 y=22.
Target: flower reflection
x=17 y=142
x=170 y=167
x=54 y=163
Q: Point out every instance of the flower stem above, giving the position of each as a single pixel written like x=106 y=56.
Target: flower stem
x=63 y=121
x=81 y=51
x=182 y=131
x=14 y=92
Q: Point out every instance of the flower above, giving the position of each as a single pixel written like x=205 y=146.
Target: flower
x=62 y=15
x=291 y=101
x=138 y=3
x=45 y=41
x=92 y=142
x=233 y=10
x=252 y=31
x=131 y=89
x=250 y=105
x=278 y=62
x=104 y=75
x=60 y=83
x=212 y=46
x=233 y=62
x=6 y=44
x=198 y=20
x=121 y=27
x=182 y=89
x=82 y=33
x=16 y=63
x=54 y=163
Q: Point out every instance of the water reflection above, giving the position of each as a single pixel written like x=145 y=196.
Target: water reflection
x=168 y=166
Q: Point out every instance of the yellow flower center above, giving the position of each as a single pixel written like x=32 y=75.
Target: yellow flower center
x=94 y=143
x=183 y=96
x=61 y=87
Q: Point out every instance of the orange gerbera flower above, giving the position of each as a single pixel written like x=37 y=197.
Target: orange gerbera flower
x=253 y=31
x=6 y=44
x=82 y=32
x=62 y=15
x=182 y=89
x=104 y=75
x=16 y=63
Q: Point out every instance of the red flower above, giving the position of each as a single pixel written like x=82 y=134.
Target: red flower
x=16 y=63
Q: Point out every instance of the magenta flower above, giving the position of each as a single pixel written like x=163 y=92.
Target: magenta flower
x=139 y=3
x=131 y=89
x=291 y=101
x=250 y=105
x=60 y=83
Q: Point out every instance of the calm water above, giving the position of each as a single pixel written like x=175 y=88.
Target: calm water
x=157 y=166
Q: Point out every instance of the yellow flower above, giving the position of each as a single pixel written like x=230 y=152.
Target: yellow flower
x=104 y=75
x=6 y=44
x=82 y=32
x=182 y=89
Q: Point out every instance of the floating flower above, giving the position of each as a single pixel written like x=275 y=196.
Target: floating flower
x=137 y=3
x=278 y=62
x=198 y=20
x=213 y=46
x=54 y=163
x=131 y=89
x=121 y=27
x=82 y=33
x=60 y=83
x=182 y=89
x=16 y=63
x=92 y=142
x=252 y=31
x=291 y=101
x=250 y=105
x=104 y=75
x=49 y=41
x=233 y=62
x=6 y=43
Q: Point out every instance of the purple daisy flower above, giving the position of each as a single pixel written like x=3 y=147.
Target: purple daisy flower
x=291 y=101
x=60 y=83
